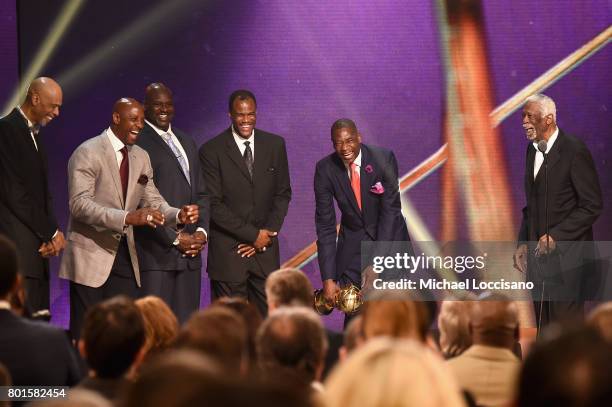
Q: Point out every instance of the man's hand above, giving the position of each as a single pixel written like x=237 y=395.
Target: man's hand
x=246 y=250
x=520 y=258
x=330 y=290
x=54 y=247
x=189 y=214
x=545 y=247
x=145 y=217
x=200 y=237
x=264 y=239
x=190 y=245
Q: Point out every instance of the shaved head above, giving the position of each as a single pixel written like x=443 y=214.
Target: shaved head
x=43 y=101
x=159 y=106
x=128 y=120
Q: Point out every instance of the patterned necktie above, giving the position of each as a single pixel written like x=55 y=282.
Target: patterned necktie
x=355 y=183
x=177 y=153
x=248 y=158
x=124 y=171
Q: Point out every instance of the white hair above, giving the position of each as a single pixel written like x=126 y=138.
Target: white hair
x=547 y=105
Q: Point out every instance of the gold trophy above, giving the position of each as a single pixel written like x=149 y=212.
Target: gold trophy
x=348 y=300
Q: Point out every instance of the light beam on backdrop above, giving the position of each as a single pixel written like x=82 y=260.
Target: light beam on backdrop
x=57 y=30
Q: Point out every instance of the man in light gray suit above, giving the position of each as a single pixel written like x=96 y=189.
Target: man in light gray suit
x=108 y=179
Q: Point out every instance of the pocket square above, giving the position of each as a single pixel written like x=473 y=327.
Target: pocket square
x=377 y=188
x=143 y=179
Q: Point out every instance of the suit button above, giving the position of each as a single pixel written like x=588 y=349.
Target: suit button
x=117 y=236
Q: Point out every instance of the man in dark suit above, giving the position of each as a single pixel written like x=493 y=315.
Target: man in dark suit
x=35 y=353
x=170 y=264
x=247 y=177
x=26 y=209
x=557 y=261
x=363 y=181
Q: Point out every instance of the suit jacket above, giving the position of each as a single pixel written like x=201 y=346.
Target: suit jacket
x=26 y=210
x=239 y=206
x=154 y=245
x=379 y=220
x=36 y=353
x=488 y=373
x=574 y=203
x=97 y=209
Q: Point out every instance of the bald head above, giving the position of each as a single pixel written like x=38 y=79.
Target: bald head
x=494 y=322
x=159 y=106
x=43 y=101
x=128 y=120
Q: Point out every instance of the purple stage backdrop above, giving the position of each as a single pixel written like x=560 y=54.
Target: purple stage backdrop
x=309 y=63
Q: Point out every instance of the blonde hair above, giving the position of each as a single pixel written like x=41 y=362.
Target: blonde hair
x=395 y=318
x=161 y=325
x=392 y=372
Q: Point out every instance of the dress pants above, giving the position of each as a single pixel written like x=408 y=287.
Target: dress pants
x=179 y=289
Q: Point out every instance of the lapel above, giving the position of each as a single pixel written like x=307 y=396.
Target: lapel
x=161 y=143
x=133 y=176
x=110 y=159
x=366 y=179
x=342 y=178
x=233 y=152
x=262 y=153
x=553 y=158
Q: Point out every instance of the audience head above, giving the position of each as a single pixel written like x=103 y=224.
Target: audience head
x=219 y=333
x=43 y=101
x=390 y=314
x=454 y=326
x=353 y=337
x=494 y=322
x=160 y=323
x=8 y=267
x=568 y=369
x=113 y=336
x=392 y=372
x=292 y=342
x=601 y=319
x=288 y=286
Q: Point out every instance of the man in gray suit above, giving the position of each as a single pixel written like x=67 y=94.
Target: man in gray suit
x=108 y=179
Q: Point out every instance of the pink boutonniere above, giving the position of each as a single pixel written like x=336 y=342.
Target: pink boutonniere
x=369 y=169
x=377 y=188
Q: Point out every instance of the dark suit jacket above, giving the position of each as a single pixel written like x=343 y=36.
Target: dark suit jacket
x=26 y=210
x=154 y=245
x=36 y=353
x=379 y=220
x=240 y=206
x=574 y=203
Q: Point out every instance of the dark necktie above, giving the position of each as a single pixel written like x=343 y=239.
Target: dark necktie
x=248 y=158
x=124 y=171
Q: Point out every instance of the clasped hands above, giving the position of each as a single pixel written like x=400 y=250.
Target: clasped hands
x=53 y=247
x=191 y=244
x=546 y=245
x=152 y=217
x=264 y=239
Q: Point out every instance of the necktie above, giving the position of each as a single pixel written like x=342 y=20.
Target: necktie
x=355 y=183
x=124 y=171
x=177 y=153
x=248 y=157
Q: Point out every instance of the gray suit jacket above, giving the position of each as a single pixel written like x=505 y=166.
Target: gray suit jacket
x=97 y=209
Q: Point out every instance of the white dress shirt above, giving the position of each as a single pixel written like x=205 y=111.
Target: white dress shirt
x=357 y=162
x=30 y=125
x=173 y=137
x=539 y=157
x=240 y=142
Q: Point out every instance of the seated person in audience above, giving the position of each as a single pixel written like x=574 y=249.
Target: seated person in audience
x=290 y=287
x=291 y=346
x=220 y=334
x=392 y=372
x=251 y=317
x=569 y=369
x=353 y=337
x=5 y=380
x=34 y=353
x=112 y=342
x=453 y=325
x=488 y=369
x=601 y=319
x=160 y=323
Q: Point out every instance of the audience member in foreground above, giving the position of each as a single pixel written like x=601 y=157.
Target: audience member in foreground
x=160 y=323
x=290 y=287
x=353 y=337
x=220 y=334
x=571 y=369
x=390 y=372
x=453 y=324
x=291 y=346
x=34 y=353
x=601 y=319
x=488 y=369
x=112 y=344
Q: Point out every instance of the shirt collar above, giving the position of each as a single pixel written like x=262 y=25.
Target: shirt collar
x=239 y=140
x=357 y=160
x=550 y=142
x=30 y=124
x=117 y=144
x=158 y=130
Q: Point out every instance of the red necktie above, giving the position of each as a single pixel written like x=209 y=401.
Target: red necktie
x=355 y=183
x=124 y=171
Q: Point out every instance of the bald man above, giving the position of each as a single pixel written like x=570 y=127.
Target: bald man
x=26 y=209
x=108 y=179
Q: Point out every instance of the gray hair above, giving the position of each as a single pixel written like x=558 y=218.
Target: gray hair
x=547 y=105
